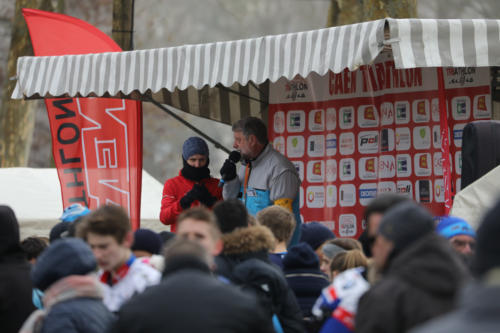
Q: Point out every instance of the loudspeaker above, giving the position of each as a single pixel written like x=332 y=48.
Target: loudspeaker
x=480 y=149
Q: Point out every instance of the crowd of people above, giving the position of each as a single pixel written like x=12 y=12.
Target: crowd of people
x=238 y=260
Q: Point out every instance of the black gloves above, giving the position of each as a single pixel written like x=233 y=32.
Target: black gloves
x=198 y=192
x=228 y=170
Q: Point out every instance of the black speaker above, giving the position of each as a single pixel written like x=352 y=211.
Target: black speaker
x=480 y=149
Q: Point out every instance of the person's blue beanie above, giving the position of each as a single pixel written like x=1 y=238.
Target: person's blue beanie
x=194 y=145
x=71 y=213
x=451 y=226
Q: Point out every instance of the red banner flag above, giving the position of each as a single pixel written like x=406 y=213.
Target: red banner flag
x=96 y=142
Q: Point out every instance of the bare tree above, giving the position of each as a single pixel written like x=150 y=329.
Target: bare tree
x=17 y=117
x=353 y=11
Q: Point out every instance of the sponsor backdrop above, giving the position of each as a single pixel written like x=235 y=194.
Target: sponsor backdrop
x=356 y=134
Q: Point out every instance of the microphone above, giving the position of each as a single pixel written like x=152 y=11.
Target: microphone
x=234 y=157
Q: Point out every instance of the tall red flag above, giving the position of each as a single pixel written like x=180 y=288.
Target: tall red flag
x=96 y=142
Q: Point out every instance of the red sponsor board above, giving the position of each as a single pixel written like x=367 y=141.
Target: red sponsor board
x=357 y=134
x=96 y=142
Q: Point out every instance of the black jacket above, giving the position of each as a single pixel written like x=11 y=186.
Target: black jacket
x=477 y=312
x=420 y=283
x=301 y=268
x=15 y=284
x=245 y=261
x=190 y=300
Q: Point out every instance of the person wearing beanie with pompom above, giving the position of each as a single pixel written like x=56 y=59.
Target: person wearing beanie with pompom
x=193 y=186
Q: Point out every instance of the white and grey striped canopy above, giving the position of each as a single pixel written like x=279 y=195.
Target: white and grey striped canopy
x=225 y=81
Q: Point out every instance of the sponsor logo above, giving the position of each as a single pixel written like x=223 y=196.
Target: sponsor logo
x=437 y=162
x=331 y=196
x=315 y=197
x=421 y=111
x=368 y=142
x=436 y=137
x=386 y=187
x=295 y=146
x=435 y=109
x=387 y=113
x=439 y=190
x=316 y=146
x=423 y=191
x=295 y=121
x=299 y=166
x=331 y=170
x=347 y=225
x=458 y=162
x=386 y=166
x=347 y=195
x=481 y=107
x=316 y=120
x=460 y=108
x=296 y=89
x=402 y=112
x=421 y=137
x=346 y=117
x=316 y=171
x=346 y=169
x=367 y=116
x=457 y=135
x=331 y=119
x=279 y=144
x=405 y=187
x=386 y=139
x=331 y=144
x=346 y=143
x=279 y=122
x=366 y=193
x=368 y=168
x=403 y=138
x=423 y=164
x=403 y=165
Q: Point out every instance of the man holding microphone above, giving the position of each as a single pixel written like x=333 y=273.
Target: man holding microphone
x=265 y=178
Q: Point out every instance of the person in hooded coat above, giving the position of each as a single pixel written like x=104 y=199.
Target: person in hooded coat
x=72 y=298
x=245 y=261
x=421 y=275
x=16 y=287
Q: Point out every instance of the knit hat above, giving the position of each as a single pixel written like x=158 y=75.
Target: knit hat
x=147 y=240
x=487 y=254
x=451 y=226
x=68 y=256
x=300 y=255
x=315 y=234
x=405 y=223
x=73 y=212
x=194 y=145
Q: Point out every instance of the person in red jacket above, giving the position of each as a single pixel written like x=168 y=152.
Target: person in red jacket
x=193 y=186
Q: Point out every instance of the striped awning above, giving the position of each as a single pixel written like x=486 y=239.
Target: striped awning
x=225 y=81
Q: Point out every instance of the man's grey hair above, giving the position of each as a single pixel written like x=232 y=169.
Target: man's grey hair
x=252 y=126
